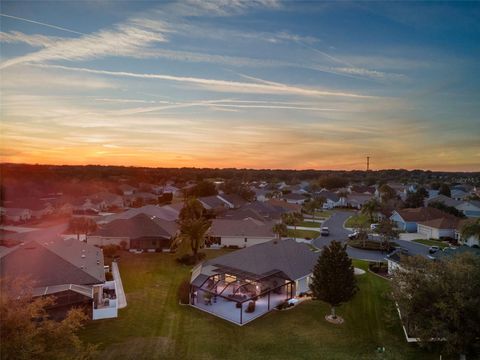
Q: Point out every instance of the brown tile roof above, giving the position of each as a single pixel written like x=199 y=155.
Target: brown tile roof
x=442 y=223
x=284 y=205
x=421 y=214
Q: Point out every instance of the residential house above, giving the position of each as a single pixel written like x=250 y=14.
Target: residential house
x=286 y=207
x=448 y=201
x=213 y=202
x=140 y=198
x=69 y=270
x=361 y=189
x=261 y=194
x=357 y=200
x=233 y=201
x=458 y=194
x=166 y=212
x=239 y=233
x=332 y=200
x=171 y=189
x=127 y=189
x=140 y=232
x=293 y=198
x=15 y=215
x=38 y=208
x=407 y=219
x=440 y=228
x=470 y=208
x=266 y=274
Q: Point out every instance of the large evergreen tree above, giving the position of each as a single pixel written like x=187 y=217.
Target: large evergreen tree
x=333 y=276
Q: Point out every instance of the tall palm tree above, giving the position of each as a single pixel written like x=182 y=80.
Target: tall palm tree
x=193 y=231
x=194 y=224
x=292 y=219
x=370 y=207
x=280 y=230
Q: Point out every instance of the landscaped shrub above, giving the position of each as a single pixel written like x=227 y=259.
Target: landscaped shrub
x=283 y=305
x=110 y=250
x=184 y=292
x=378 y=267
x=250 y=307
x=371 y=245
x=189 y=259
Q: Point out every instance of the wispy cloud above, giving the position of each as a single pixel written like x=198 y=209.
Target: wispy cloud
x=219 y=7
x=42 y=24
x=268 y=87
x=124 y=40
x=35 y=40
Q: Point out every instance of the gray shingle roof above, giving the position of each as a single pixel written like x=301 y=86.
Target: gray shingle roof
x=245 y=227
x=166 y=212
x=55 y=262
x=140 y=225
x=295 y=260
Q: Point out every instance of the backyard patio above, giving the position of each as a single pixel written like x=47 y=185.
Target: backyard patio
x=239 y=296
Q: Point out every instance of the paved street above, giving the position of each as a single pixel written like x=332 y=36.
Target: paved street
x=339 y=233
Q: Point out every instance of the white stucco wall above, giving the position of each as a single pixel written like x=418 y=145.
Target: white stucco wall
x=302 y=284
x=103 y=241
x=240 y=240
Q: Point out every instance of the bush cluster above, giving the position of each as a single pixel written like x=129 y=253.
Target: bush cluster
x=189 y=259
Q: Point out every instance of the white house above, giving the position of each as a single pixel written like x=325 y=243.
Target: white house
x=438 y=228
x=294 y=198
x=16 y=215
x=332 y=200
x=470 y=208
x=239 y=233
x=245 y=284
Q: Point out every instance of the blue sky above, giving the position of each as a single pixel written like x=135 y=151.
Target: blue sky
x=261 y=84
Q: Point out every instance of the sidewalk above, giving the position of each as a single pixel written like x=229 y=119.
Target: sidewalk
x=17 y=229
x=122 y=300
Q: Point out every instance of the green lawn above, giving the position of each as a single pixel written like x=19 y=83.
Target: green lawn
x=303 y=233
x=440 y=244
x=311 y=224
x=155 y=326
x=323 y=214
x=351 y=221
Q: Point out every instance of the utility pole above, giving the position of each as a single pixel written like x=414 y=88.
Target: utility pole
x=368 y=163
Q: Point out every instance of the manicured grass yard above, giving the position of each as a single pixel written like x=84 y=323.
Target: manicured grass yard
x=440 y=244
x=351 y=221
x=311 y=224
x=155 y=326
x=312 y=234
x=323 y=214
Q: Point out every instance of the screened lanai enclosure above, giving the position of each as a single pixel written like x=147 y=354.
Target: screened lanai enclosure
x=239 y=296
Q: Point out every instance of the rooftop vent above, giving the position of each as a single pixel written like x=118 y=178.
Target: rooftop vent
x=83 y=255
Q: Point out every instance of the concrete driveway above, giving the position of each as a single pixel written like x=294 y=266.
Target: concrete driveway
x=339 y=233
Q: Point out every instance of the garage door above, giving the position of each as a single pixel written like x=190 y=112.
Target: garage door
x=425 y=230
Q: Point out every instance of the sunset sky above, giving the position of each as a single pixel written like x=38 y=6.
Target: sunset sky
x=258 y=84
